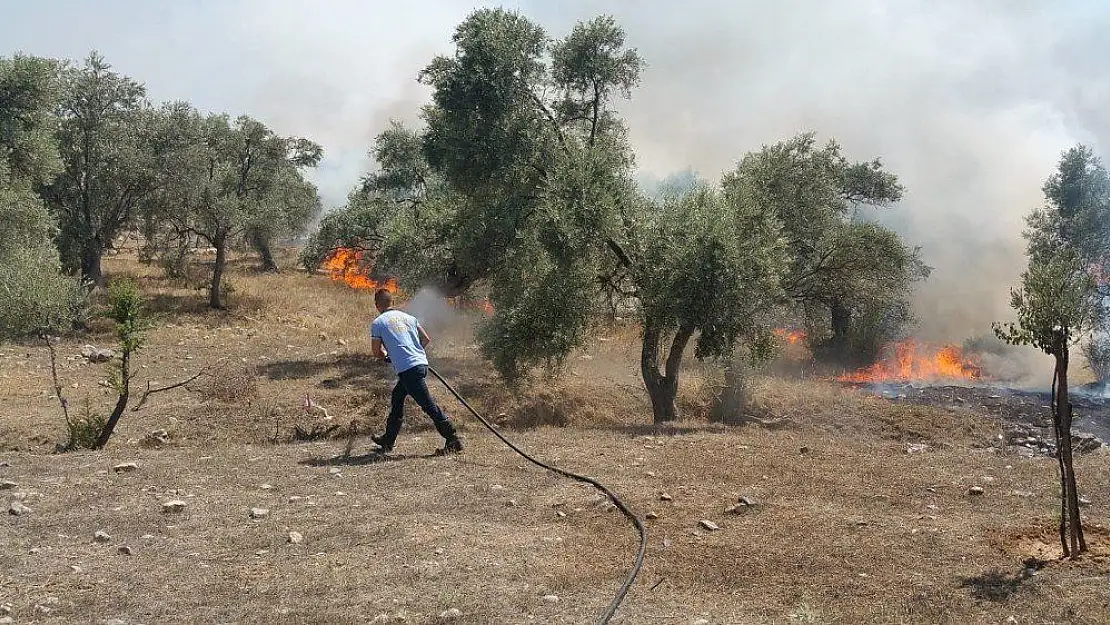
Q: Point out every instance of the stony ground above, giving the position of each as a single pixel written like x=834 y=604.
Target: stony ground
x=863 y=510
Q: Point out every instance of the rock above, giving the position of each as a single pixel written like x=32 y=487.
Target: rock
x=497 y=487
x=975 y=490
x=76 y=569
x=96 y=354
x=5 y=608
x=560 y=514
x=8 y=485
x=665 y=497
x=450 y=613
x=804 y=450
x=173 y=506
x=700 y=621
x=124 y=550
x=916 y=448
x=17 y=508
x=335 y=470
x=1023 y=493
x=1083 y=501
x=295 y=538
x=1085 y=443
x=125 y=467
x=295 y=498
x=115 y=621
x=259 y=513
x=551 y=598
x=652 y=516
x=42 y=609
x=6 y=620
x=341 y=343
x=267 y=487
x=709 y=525
x=102 y=537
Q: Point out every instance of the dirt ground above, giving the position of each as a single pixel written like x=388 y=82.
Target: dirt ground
x=861 y=505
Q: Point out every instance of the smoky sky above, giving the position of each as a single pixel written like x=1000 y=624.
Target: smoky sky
x=970 y=103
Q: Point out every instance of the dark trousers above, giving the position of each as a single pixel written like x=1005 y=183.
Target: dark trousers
x=413 y=383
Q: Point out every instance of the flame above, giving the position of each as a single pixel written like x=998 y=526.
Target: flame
x=912 y=362
x=345 y=265
x=793 y=337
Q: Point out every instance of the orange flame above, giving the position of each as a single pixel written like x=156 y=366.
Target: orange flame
x=912 y=362
x=345 y=265
x=793 y=337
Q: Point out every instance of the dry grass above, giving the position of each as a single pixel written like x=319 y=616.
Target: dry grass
x=847 y=528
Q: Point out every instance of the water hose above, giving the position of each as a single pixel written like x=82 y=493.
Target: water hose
x=635 y=570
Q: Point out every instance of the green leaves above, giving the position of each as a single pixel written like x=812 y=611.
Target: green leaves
x=1057 y=304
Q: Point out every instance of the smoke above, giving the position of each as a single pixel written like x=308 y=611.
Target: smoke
x=430 y=307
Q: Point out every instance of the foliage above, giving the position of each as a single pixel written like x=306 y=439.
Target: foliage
x=83 y=429
x=848 y=277
x=111 y=162
x=34 y=295
x=1057 y=303
x=233 y=178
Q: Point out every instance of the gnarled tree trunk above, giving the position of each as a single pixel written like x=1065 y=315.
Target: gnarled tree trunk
x=261 y=244
x=662 y=387
x=215 y=299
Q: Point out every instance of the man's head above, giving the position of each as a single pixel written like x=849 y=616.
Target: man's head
x=383 y=300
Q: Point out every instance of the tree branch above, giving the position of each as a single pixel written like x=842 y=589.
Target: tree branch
x=151 y=391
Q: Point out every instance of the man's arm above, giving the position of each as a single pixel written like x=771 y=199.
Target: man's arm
x=376 y=348
x=424 y=338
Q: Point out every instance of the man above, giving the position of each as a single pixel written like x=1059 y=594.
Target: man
x=397 y=337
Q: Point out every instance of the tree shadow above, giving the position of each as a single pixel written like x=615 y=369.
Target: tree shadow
x=998 y=586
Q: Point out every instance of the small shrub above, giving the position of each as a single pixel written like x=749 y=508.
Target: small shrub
x=228 y=384
x=84 y=429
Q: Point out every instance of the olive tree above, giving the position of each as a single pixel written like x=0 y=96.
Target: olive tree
x=109 y=162
x=849 y=277
x=34 y=295
x=232 y=178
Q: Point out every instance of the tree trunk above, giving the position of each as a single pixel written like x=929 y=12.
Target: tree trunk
x=841 y=324
x=214 y=290
x=91 y=254
x=1072 y=524
x=121 y=403
x=662 y=388
x=261 y=244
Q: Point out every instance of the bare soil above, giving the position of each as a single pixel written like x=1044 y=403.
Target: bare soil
x=862 y=511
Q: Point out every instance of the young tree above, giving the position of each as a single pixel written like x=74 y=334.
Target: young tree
x=125 y=307
x=1059 y=304
x=34 y=295
x=109 y=165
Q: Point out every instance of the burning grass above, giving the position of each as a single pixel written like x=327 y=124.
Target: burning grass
x=912 y=361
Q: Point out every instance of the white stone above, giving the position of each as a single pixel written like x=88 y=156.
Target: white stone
x=551 y=598
x=259 y=513
x=450 y=613
x=125 y=467
x=173 y=506
x=709 y=525
x=101 y=536
x=295 y=538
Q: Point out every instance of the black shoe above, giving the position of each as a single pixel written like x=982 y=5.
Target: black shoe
x=382 y=447
x=452 y=446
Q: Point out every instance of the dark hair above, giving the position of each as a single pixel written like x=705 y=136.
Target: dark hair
x=383 y=298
